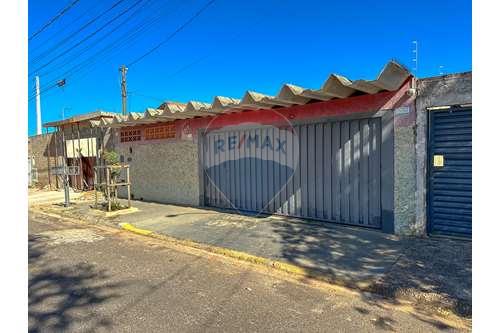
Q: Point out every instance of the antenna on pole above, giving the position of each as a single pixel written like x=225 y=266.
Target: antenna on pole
x=123 y=70
x=415 y=57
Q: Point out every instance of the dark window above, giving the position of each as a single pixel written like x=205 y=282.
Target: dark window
x=130 y=135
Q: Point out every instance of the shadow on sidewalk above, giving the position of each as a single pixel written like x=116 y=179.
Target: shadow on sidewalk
x=437 y=273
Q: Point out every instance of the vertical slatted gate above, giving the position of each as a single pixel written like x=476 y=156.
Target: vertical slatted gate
x=450 y=185
x=331 y=171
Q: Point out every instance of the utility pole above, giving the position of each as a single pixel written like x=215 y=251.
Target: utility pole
x=123 y=70
x=38 y=107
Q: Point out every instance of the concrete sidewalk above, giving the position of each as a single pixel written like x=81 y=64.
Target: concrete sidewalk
x=435 y=271
x=40 y=197
x=353 y=256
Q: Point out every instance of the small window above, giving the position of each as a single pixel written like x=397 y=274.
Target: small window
x=130 y=135
x=160 y=132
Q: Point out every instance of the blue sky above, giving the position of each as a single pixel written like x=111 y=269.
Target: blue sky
x=232 y=47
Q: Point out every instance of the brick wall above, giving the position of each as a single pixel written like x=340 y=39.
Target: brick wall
x=38 y=147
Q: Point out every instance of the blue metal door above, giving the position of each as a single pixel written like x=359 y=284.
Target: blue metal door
x=450 y=172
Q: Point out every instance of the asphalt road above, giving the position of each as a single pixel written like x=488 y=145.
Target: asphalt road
x=87 y=279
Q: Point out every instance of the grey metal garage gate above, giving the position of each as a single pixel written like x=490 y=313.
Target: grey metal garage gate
x=450 y=172
x=339 y=170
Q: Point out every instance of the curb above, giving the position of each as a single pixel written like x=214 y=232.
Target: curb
x=218 y=250
x=243 y=256
x=296 y=271
x=130 y=227
x=126 y=211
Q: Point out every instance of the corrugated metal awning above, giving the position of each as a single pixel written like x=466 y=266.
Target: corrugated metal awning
x=391 y=78
x=91 y=117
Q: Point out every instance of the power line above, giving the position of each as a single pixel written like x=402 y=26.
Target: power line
x=130 y=37
x=74 y=33
x=55 y=18
x=44 y=43
x=134 y=33
x=90 y=60
x=72 y=47
x=126 y=38
x=146 y=25
x=198 y=13
x=189 y=65
x=43 y=91
x=214 y=51
x=81 y=52
x=87 y=37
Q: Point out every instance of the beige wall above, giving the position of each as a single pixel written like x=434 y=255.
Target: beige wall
x=163 y=171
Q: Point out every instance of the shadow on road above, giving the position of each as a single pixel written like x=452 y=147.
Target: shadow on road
x=60 y=296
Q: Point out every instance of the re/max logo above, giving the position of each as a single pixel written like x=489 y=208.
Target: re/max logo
x=246 y=141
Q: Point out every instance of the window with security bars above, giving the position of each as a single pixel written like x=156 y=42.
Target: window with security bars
x=130 y=135
x=160 y=132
